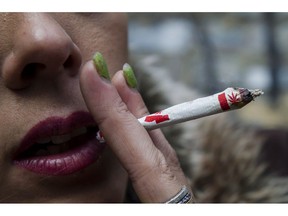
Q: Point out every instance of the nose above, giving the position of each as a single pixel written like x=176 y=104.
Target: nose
x=41 y=51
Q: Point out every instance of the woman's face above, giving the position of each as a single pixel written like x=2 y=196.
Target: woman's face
x=48 y=152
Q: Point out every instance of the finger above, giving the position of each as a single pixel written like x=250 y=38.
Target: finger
x=136 y=105
x=151 y=176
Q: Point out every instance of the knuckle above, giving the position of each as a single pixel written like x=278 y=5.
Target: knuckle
x=173 y=157
x=158 y=169
x=142 y=110
x=115 y=112
x=120 y=107
x=167 y=173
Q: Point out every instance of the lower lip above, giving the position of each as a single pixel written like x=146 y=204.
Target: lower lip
x=71 y=161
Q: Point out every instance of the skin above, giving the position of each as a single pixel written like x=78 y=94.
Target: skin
x=56 y=86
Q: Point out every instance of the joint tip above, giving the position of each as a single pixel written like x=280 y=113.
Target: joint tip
x=256 y=93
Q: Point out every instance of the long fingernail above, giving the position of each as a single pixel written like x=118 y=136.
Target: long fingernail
x=129 y=76
x=101 y=65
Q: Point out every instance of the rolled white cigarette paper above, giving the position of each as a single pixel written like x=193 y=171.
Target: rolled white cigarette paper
x=229 y=99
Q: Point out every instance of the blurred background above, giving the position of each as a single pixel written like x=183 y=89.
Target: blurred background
x=213 y=51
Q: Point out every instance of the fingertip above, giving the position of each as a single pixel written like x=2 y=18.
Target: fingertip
x=118 y=81
x=129 y=76
x=101 y=66
x=118 y=77
x=131 y=96
x=88 y=76
x=84 y=73
x=126 y=93
x=93 y=87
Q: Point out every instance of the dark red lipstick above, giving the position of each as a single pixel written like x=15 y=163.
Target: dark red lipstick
x=60 y=146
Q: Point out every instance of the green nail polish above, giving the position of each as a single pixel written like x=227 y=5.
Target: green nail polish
x=101 y=65
x=129 y=76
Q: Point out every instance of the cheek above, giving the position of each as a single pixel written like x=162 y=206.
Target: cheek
x=9 y=23
x=108 y=37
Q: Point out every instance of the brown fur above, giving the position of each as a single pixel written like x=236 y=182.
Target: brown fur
x=230 y=169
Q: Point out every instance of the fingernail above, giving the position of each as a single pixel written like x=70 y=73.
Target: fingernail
x=101 y=65
x=129 y=76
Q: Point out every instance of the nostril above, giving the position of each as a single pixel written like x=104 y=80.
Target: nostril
x=30 y=70
x=69 y=62
x=72 y=62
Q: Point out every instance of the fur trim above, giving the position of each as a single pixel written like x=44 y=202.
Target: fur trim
x=229 y=168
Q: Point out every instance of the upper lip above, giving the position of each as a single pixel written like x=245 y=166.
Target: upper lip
x=53 y=126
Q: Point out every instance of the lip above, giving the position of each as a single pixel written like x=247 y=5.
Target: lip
x=86 y=152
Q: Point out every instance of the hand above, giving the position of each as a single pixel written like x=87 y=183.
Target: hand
x=150 y=161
